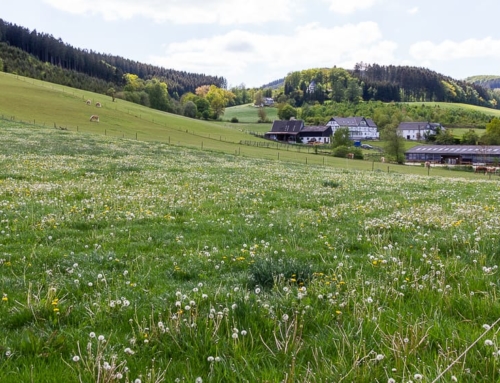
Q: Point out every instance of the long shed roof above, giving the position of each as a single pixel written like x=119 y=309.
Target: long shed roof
x=456 y=149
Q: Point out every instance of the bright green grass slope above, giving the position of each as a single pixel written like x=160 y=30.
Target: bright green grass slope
x=249 y=114
x=480 y=109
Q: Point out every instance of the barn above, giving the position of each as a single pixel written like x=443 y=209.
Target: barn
x=455 y=154
x=285 y=130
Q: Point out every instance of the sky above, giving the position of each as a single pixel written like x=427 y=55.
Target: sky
x=254 y=42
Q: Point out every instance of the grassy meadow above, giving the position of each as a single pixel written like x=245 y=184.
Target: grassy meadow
x=249 y=114
x=125 y=260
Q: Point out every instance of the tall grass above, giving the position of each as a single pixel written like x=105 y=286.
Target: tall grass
x=124 y=260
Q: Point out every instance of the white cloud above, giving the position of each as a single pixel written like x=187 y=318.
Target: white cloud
x=413 y=11
x=258 y=57
x=349 y=6
x=184 y=11
x=451 y=50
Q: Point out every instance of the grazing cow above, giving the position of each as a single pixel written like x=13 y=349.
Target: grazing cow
x=94 y=117
x=427 y=164
x=89 y=102
x=98 y=104
x=481 y=169
x=350 y=156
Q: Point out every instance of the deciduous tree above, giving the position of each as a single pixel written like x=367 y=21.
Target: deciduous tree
x=286 y=111
x=394 y=143
x=158 y=94
x=470 y=138
x=341 y=138
x=190 y=109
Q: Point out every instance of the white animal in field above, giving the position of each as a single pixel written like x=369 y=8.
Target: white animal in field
x=89 y=102
x=94 y=117
x=98 y=104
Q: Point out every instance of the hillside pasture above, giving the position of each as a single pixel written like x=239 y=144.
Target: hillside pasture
x=123 y=259
x=449 y=105
x=249 y=114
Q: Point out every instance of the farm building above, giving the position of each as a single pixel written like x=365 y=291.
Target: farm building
x=454 y=154
x=315 y=134
x=268 y=101
x=295 y=131
x=417 y=131
x=360 y=128
x=285 y=130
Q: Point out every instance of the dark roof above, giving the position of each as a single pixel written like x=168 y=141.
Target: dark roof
x=284 y=126
x=347 y=121
x=456 y=149
x=353 y=121
x=314 y=129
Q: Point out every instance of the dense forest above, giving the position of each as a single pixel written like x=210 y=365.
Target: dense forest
x=373 y=82
x=102 y=68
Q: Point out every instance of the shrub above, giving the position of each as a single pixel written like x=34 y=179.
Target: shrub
x=234 y=119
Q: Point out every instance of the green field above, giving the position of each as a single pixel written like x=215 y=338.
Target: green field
x=124 y=260
x=447 y=105
x=249 y=114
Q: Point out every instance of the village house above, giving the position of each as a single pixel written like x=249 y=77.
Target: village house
x=268 y=101
x=417 y=131
x=360 y=128
x=295 y=131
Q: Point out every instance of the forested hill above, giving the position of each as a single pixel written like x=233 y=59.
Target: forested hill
x=373 y=82
x=407 y=84
x=104 y=67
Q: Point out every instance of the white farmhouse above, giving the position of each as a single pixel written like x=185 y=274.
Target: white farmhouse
x=360 y=128
x=417 y=131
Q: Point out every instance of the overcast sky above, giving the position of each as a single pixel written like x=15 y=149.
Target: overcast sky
x=254 y=42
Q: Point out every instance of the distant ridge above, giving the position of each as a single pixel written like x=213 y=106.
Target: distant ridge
x=487 y=81
x=274 y=84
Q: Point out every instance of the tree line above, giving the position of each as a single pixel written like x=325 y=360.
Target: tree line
x=104 y=67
